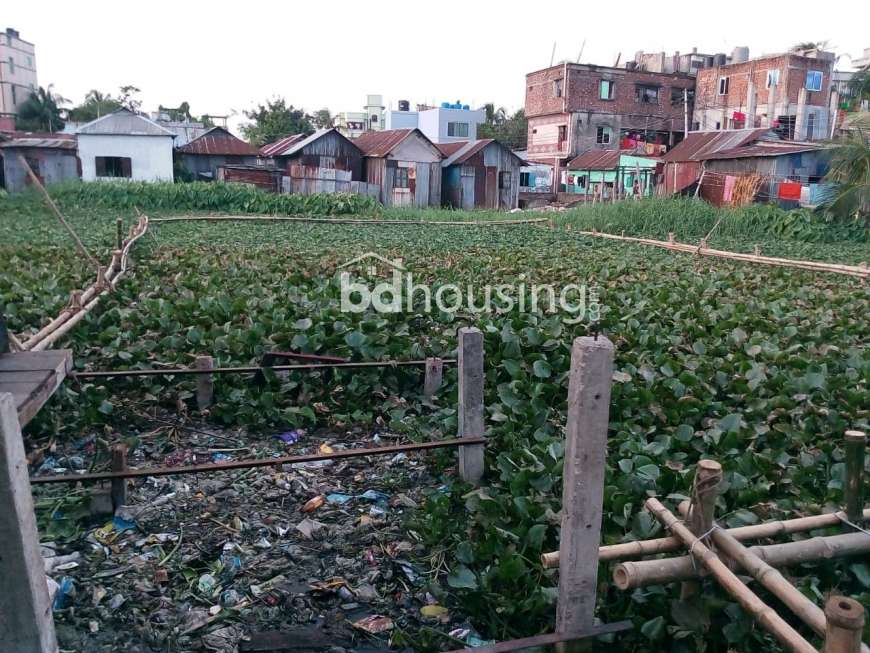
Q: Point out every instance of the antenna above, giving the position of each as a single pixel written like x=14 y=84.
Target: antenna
x=582 y=47
x=618 y=57
x=553 y=54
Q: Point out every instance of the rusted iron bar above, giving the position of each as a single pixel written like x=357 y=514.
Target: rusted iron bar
x=550 y=638
x=257 y=462
x=314 y=358
x=246 y=369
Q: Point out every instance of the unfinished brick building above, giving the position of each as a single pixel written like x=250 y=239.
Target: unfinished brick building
x=788 y=92
x=573 y=108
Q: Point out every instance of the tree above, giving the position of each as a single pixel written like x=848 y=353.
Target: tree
x=323 y=119
x=850 y=170
x=275 y=120
x=806 y=46
x=512 y=131
x=860 y=85
x=41 y=111
x=96 y=105
x=128 y=99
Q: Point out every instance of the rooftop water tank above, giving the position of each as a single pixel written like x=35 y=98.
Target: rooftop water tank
x=465 y=107
x=740 y=54
x=445 y=105
x=404 y=105
x=719 y=59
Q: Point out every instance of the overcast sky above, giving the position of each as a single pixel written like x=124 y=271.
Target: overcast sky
x=224 y=56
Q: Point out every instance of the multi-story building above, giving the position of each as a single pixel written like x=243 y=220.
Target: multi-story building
x=374 y=110
x=573 y=108
x=17 y=71
x=788 y=92
x=451 y=122
x=351 y=123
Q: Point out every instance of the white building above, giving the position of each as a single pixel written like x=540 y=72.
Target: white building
x=351 y=123
x=124 y=145
x=374 y=110
x=449 y=123
x=17 y=71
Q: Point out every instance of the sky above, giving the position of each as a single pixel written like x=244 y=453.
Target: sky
x=223 y=57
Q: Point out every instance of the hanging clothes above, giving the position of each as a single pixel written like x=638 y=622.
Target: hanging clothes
x=789 y=190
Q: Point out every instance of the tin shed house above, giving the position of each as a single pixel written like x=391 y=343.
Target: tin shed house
x=481 y=174
x=125 y=145
x=604 y=173
x=52 y=157
x=217 y=147
x=405 y=164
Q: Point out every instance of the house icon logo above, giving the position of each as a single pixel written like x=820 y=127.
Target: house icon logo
x=371 y=261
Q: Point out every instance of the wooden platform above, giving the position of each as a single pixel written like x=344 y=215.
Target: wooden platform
x=32 y=377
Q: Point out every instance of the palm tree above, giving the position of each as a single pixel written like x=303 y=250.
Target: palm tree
x=41 y=111
x=850 y=170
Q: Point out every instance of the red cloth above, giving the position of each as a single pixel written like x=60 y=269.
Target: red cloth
x=789 y=190
x=739 y=116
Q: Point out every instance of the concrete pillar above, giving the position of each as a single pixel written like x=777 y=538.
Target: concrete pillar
x=800 y=120
x=771 y=106
x=471 y=422
x=751 y=104
x=583 y=481
x=26 y=623
x=833 y=113
x=432 y=380
x=204 y=382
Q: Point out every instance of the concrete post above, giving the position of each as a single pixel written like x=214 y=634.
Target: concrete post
x=119 y=485
x=800 y=119
x=434 y=371
x=583 y=481
x=833 y=113
x=751 y=104
x=471 y=423
x=204 y=382
x=771 y=106
x=26 y=623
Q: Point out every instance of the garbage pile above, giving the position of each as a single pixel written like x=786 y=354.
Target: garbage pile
x=304 y=557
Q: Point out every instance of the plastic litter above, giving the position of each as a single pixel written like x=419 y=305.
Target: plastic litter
x=66 y=592
x=291 y=437
x=374 y=624
x=206 y=584
x=339 y=499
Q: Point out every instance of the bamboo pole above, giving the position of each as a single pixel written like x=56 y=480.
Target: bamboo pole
x=708 y=476
x=761 y=612
x=641 y=548
x=856 y=444
x=633 y=574
x=845 y=625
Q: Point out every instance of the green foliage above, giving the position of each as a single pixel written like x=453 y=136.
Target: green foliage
x=850 y=170
x=510 y=130
x=275 y=120
x=41 y=112
x=96 y=105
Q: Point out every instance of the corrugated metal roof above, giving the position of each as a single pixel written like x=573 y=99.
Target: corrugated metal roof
x=450 y=148
x=765 y=149
x=299 y=144
x=126 y=123
x=471 y=148
x=379 y=144
x=595 y=160
x=218 y=140
x=699 y=146
x=51 y=143
x=273 y=149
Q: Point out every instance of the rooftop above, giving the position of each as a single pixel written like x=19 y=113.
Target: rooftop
x=124 y=122
x=219 y=141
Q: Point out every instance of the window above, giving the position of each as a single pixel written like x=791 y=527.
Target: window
x=11 y=66
x=605 y=89
x=646 y=94
x=814 y=80
x=676 y=95
x=467 y=171
x=723 y=86
x=400 y=178
x=525 y=179
x=563 y=134
x=811 y=126
x=113 y=166
x=718 y=125
x=14 y=99
x=504 y=179
x=773 y=77
x=457 y=129
x=557 y=88
x=602 y=135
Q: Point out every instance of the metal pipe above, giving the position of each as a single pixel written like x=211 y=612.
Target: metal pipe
x=246 y=369
x=550 y=638
x=258 y=462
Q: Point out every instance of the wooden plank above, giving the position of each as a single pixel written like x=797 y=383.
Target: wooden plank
x=583 y=482
x=31 y=377
x=27 y=625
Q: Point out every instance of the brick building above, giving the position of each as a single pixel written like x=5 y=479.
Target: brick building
x=573 y=108
x=788 y=92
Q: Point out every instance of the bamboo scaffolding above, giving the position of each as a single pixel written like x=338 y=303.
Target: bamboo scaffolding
x=860 y=271
x=761 y=612
x=83 y=302
x=641 y=548
x=642 y=573
x=269 y=218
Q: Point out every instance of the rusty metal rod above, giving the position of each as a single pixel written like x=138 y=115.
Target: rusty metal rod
x=550 y=638
x=253 y=462
x=246 y=369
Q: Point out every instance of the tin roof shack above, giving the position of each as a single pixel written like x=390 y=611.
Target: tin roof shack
x=572 y=108
x=405 y=164
x=789 y=92
x=51 y=156
x=611 y=173
x=125 y=145
x=202 y=156
x=323 y=162
x=265 y=178
x=479 y=174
